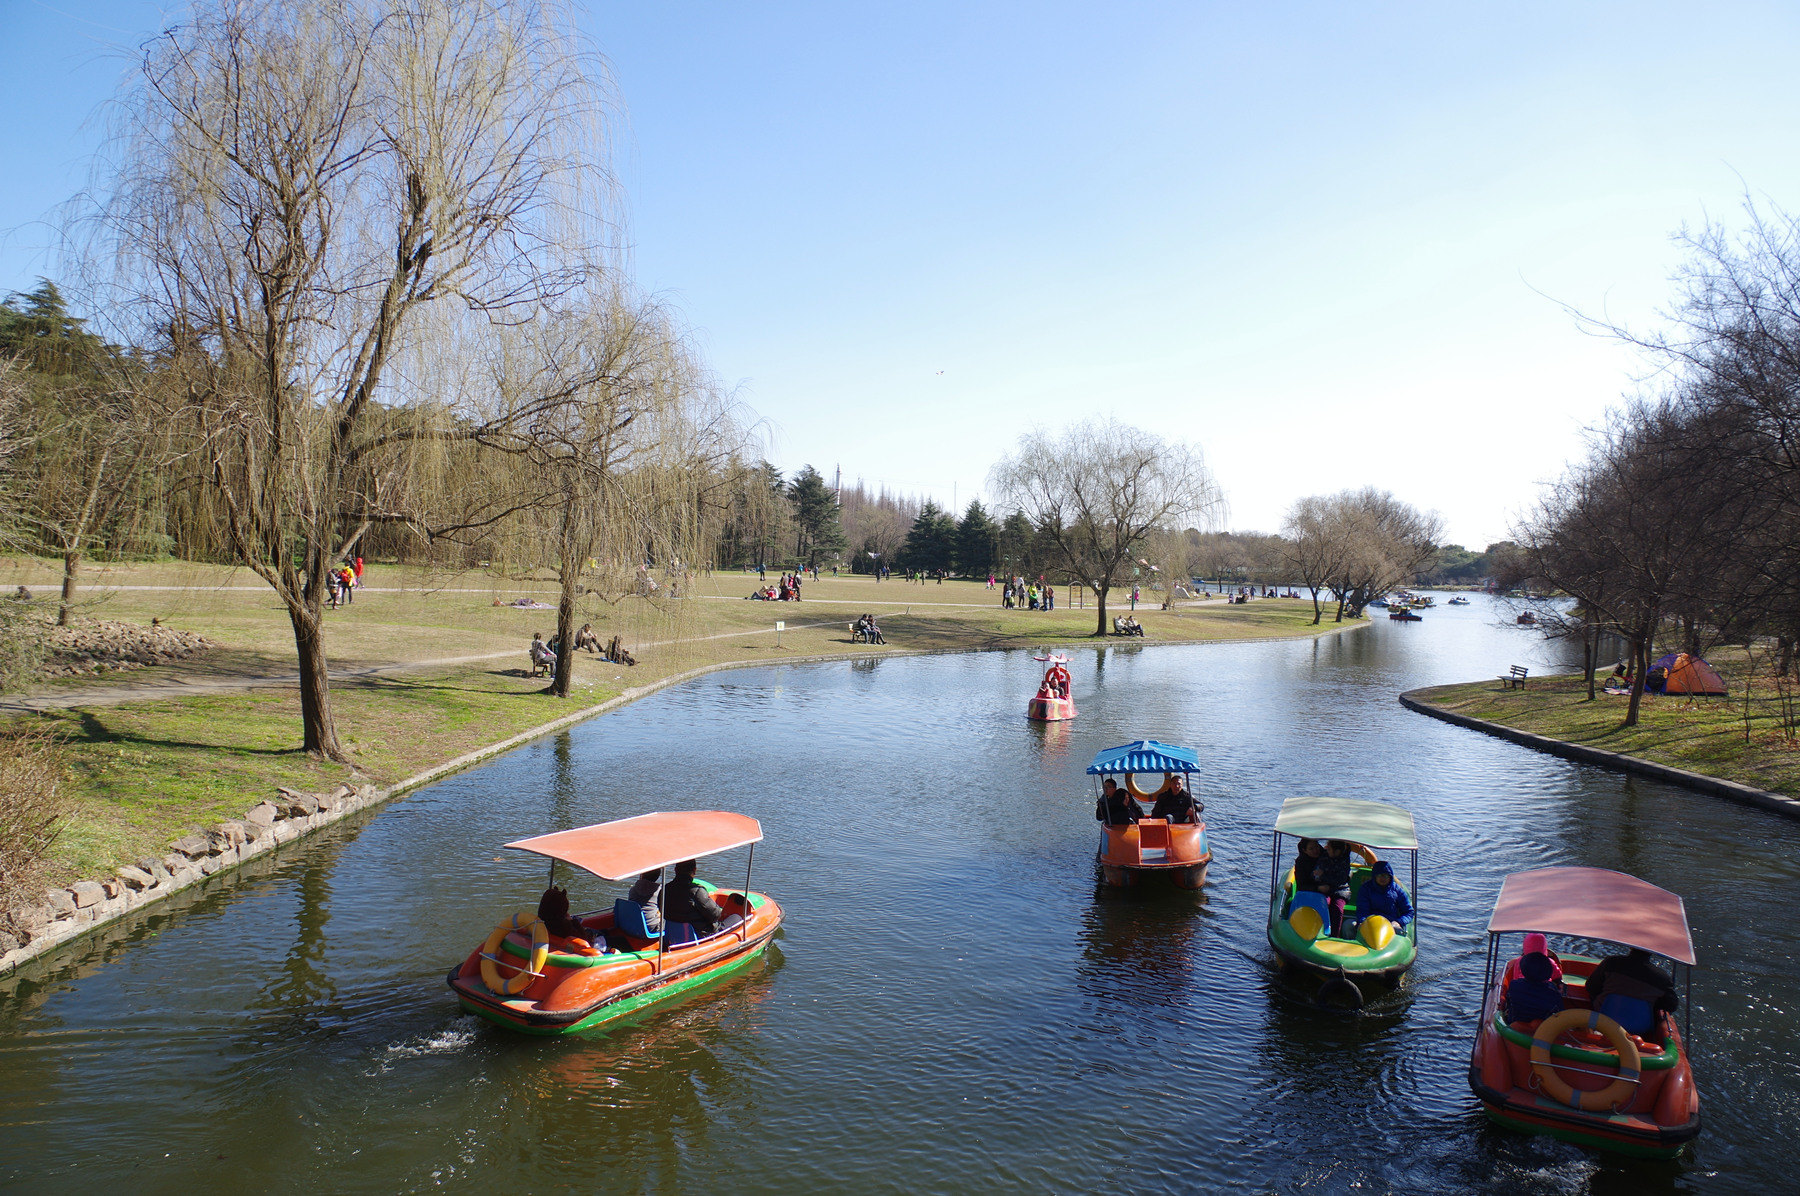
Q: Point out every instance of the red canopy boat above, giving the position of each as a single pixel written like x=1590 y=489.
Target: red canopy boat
x=1052 y=703
x=1580 y=1075
x=526 y=979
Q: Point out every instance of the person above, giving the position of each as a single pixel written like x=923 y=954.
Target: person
x=553 y=911
x=1631 y=990
x=1049 y=597
x=1380 y=894
x=687 y=900
x=1334 y=881
x=359 y=572
x=347 y=580
x=585 y=638
x=22 y=594
x=542 y=660
x=1533 y=995
x=1534 y=944
x=644 y=891
x=1176 y=803
x=1306 y=865
x=871 y=632
x=1115 y=807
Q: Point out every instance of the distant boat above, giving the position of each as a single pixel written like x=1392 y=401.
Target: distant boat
x=1526 y=619
x=1405 y=616
x=1458 y=601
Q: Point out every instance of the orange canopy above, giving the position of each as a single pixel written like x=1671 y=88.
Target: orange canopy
x=1594 y=903
x=622 y=849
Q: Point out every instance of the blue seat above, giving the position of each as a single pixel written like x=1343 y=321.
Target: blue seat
x=680 y=934
x=1314 y=900
x=628 y=917
x=1637 y=1017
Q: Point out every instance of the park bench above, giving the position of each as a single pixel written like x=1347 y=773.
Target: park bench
x=1515 y=677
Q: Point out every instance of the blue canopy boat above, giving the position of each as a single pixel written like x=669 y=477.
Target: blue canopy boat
x=1136 y=845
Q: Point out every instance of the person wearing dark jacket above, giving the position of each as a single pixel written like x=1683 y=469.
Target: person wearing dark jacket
x=1382 y=894
x=1334 y=881
x=1533 y=995
x=1115 y=807
x=553 y=911
x=1306 y=866
x=1177 y=805
x=1632 y=978
x=687 y=900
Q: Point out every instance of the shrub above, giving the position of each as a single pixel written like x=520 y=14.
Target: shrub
x=23 y=647
x=33 y=807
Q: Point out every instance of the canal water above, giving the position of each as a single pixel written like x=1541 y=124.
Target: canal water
x=955 y=1003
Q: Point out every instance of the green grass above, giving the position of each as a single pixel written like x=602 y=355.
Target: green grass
x=1704 y=735
x=145 y=773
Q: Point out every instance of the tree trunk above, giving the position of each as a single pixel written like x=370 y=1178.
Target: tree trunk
x=1100 y=627
x=71 y=565
x=1318 y=611
x=1590 y=649
x=1640 y=665
x=1785 y=645
x=565 y=632
x=315 y=684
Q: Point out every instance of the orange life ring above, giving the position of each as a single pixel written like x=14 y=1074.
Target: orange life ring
x=1131 y=787
x=516 y=983
x=1607 y=1099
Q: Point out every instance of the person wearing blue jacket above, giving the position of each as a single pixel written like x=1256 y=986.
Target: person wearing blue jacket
x=1381 y=894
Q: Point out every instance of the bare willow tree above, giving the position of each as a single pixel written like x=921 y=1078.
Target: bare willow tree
x=1315 y=546
x=299 y=186
x=627 y=466
x=1098 y=489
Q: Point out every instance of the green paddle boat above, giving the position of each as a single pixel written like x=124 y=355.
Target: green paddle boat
x=1368 y=946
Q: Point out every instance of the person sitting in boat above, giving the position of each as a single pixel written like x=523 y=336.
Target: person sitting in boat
x=1535 y=944
x=1631 y=990
x=553 y=911
x=1534 y=995
x=1334 y=881
x=1306 y=865
x=1115 y=807
x=1381 y=894
x=644 y=891
x=1176 y=803
x=687 y=900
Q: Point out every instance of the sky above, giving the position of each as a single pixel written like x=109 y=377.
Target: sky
x=1331 y=245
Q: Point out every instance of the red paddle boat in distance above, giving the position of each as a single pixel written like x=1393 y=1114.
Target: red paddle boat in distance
x=1052 y=703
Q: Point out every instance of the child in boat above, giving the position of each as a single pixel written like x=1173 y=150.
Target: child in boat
x=1334 y=881
x=1534 y=995
x=1306 y=865
x=1115 y=807
x=1534 y=944
x=1381 y=894
x=553 y=911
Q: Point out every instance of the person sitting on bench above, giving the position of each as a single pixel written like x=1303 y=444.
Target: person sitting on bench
x=543 y=660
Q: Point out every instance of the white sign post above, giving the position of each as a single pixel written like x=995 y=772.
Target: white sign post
x=780 y=627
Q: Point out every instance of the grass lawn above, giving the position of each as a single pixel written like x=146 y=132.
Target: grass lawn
x=1704 y=735
x=145 y=772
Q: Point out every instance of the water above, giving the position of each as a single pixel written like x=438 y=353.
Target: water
x=955 y=1003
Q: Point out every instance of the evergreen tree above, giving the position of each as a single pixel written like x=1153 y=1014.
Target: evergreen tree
x=819 y=533
x=977 y=541
x=931 y=543
x=37 y=326
x=1015 y=543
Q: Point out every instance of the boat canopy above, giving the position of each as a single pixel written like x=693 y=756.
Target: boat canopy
x=1371 y=823
x=622 y=849
x=1594 y=903
x=1146 y=755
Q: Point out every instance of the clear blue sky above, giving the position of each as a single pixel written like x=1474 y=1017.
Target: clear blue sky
x=1325 y=242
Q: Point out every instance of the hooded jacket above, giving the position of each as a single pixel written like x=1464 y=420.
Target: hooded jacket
x=1389 y=900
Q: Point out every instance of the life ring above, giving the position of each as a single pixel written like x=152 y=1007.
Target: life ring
x=1607 y=1099
x=1131 y=787
x=1369 y=859
x=490 y=951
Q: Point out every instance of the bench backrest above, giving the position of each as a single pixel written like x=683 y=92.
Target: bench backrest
x=1519 y=670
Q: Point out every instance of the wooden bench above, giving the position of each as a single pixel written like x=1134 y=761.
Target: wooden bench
x=1515 y=677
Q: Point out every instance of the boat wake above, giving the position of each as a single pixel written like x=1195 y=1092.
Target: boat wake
x=448 y=1041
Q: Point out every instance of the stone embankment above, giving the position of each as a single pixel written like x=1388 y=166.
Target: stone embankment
x=89 y=647
x=68 y=913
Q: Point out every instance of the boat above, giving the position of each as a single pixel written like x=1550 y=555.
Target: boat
x=1459 y=600
x=1526 y=619
x=1052 y=703
x=1402 y=614
x=1299 y=922
x=1152 y=846
x=524 y=979
x=1381 y=602
x=1579 y=1075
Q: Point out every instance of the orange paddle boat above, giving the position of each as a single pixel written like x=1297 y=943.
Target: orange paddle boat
x=1150 y=846
x=1621 y=1083
x=1052 y=703
x=525 y=979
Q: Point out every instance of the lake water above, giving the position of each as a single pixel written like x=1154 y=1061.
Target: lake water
x=955 y=1003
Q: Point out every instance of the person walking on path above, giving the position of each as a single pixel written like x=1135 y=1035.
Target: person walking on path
x=359 y=568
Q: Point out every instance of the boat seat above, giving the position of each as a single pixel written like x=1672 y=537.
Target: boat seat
x=679 y=934
x=628 y=917
x=1314 y=901
x=1636 y=1016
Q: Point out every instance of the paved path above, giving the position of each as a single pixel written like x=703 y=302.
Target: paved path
x=187 y=687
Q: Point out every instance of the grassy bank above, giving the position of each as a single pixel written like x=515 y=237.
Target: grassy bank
x=145 y=772
x=1705 y=735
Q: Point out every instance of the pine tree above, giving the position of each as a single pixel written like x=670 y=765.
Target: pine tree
x=819 y=533
x=977 y=541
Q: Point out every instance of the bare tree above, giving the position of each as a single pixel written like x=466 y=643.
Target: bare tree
x=1315 y=547
x=1098 y=489
x=300 y=184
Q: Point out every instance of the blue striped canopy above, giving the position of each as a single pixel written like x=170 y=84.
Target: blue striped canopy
x=1146 y=755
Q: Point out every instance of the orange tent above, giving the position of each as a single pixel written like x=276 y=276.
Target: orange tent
x=1691 y=675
